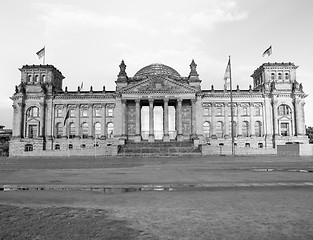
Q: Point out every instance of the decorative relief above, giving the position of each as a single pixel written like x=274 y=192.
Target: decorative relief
x=160 y=84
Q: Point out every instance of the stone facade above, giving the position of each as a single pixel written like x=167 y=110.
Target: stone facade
x=156 y=104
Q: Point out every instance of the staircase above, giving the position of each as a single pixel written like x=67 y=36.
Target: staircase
x=159 y=149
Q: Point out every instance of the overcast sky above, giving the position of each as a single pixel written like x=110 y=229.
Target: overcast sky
x=86 y=40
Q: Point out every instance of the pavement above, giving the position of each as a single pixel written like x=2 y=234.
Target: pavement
x=116 y=175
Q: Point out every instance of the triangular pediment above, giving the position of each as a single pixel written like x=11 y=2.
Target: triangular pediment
x=159 y=84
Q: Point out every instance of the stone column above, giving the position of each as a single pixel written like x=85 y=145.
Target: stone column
x=193 y=119
x=213 y=123
x=151 y=121
x=166 y=137
x=65 y=109
x=226 y=120
x=138 y=121
x=252 y=128
x=294 y=118
x=275 y=122
x=103 y=121
x=17 y=120
x=300 y=117
x=42 y=119
x=239 y=121
x=90 y=121
x=77 y=126
x=199 y=118
x=124 y=118
x=179 y=120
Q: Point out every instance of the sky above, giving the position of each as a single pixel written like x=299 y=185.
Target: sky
x=86 y=40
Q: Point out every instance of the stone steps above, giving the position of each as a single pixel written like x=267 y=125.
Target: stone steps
x=159 y=149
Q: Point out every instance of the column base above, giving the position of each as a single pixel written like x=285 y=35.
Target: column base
x=137 y=138
x=166 y=138
x=151 y=138
x=193 y=136
x=180 y=138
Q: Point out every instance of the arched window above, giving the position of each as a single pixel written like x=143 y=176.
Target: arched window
x=272 y=76
x=43 y=78
x=28 y=148
x=70 y=146
x=279 y=76
x=284 y=110
x=219 y=129
x=286 y=76
x=85 y=130
x=97 y=130
x=234 y=129
x=245 y=129
x=32 y=112
x=57 y=147
x=71 y=130
x=110 y=129
x=29 y=78
x=59 y=130
x=36 y=79
x=206 y=129
x=258 y=129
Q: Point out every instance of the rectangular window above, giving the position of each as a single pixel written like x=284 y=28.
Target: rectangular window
x=72 y=113
x=257 y=111
x=110 y=112
x=97 y=112
x=206 y=111
x=219 y=111
x=58 y=112
x=84 y=112
x=284 y=129
x=32 y=131
x=245 y=111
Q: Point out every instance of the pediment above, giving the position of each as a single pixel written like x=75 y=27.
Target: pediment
x=159 y=84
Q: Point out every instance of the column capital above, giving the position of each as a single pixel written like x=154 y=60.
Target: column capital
x=166 y=99
x=151 y=100
x=124 y=101
x=180 y=100
x=137 y=100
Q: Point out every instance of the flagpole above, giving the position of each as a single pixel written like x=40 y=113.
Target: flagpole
x=231 y=111
x=44 y=56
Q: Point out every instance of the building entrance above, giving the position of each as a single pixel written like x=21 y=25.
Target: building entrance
x=158 y=126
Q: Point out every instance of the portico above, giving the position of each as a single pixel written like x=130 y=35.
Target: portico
x=159 y=119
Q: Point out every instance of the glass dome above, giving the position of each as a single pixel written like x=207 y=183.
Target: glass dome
x=156 y=69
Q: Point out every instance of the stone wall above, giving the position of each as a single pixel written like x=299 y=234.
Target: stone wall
x=226 y=150
x=295 y=150
x=86 y=147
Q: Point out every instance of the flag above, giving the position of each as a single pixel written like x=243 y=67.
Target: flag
x=81 y=86
x=66 y=116
x=41 y=53
x=267 y=52
x=227 y=75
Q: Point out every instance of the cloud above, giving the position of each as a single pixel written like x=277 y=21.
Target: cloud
x=64 y=16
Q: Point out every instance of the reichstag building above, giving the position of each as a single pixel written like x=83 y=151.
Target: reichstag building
x=156 y=105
